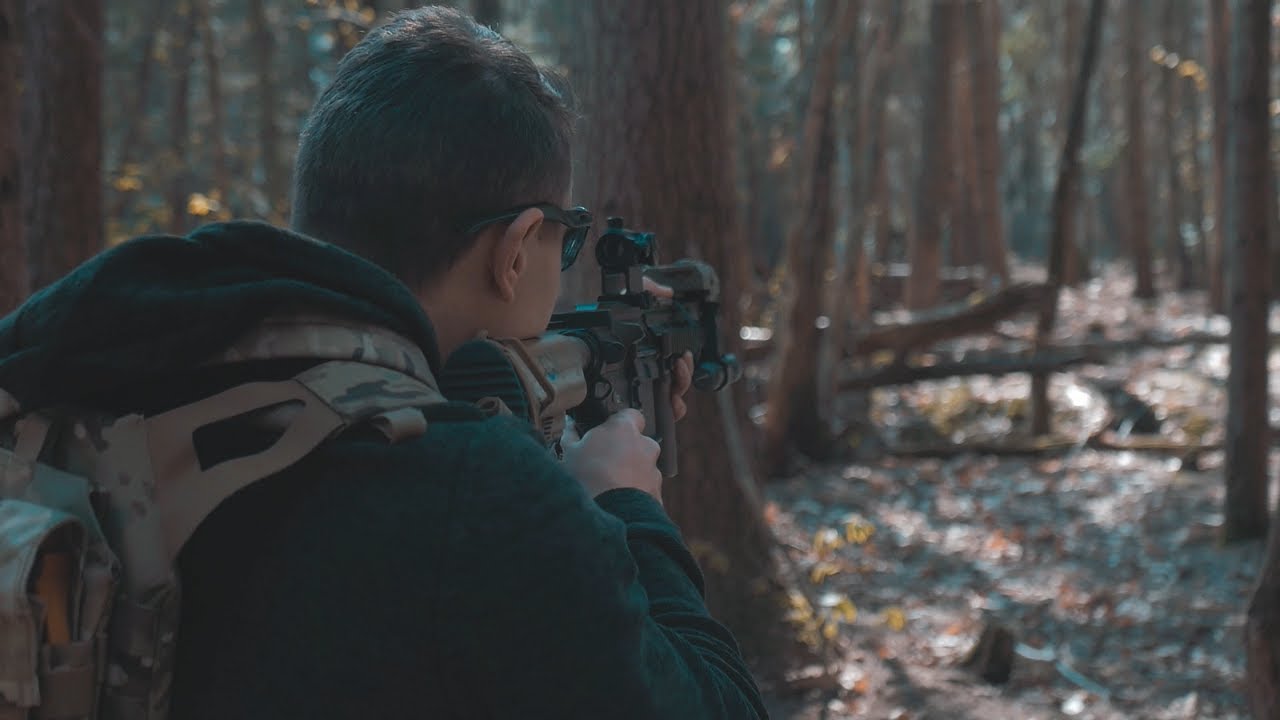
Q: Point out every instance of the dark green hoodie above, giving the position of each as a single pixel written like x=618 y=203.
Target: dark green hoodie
x=461 y=574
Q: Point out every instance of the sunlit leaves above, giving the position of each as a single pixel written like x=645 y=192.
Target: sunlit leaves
x=857 y=530
x=895 y=618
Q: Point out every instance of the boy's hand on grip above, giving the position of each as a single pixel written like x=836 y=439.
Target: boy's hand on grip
x=614 y=454
x=683 y=370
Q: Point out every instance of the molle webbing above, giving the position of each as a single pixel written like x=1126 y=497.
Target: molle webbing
x=301 y=336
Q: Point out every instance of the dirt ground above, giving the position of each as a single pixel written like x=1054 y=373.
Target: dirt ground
x=1104 y=565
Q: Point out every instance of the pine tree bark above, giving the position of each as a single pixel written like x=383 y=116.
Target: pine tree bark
x=1251 y=183
x=1136 y=149
x=1246 y=227
x=1064 y=200
x=1219 y=34
x=62 y=158
x=13 y=252
x=966 y=230
x=660 y=143
x=934 y=210
x=984 y=40
x=794 y=416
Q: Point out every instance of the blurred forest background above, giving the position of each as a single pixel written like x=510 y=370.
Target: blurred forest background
x=1000 y=272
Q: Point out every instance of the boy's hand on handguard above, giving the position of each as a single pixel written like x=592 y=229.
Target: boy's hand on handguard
x=614 y=454
x=682 y=373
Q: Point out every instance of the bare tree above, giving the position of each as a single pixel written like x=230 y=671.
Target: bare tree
x=1245 y=228
x=1064 y=199
x=1177 y=253
x=794 y=416
x=983 y=24
x=1250 y=182
x=1136 y=150
x=1219 y=27
x=13 y=253
x=62 y=160
x=933 y=211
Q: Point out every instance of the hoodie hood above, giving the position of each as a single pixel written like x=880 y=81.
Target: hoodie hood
x=152 y=308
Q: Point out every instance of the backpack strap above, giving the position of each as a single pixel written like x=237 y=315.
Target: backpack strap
x=289 y=334
x=153 y=523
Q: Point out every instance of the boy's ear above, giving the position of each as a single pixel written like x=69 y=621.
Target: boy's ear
x=509 y=257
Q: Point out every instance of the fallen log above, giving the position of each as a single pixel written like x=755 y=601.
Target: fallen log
x=951 y=321
x=901 y=374
x=1051 y=444
x=1047 y=445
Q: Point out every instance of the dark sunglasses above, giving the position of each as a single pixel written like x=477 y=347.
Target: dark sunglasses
x=576 y=222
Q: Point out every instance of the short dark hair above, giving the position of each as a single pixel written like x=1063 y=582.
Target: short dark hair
x=431 y=121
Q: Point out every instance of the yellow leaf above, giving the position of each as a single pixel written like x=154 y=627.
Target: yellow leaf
x=825 y=541
x=857 y=530
x=895 y=618
x=846 y=610
x=822 y=571
x=829 y=630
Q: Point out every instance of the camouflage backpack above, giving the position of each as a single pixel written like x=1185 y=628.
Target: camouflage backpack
x=95 y=508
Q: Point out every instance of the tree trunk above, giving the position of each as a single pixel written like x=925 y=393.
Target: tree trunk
x=1179 y=255
x=984 y=41
x=1074 y=264
x=1219 y=32
x=1195 y=176
x=868 y=194
x=1262 y=634
x=1136 y=149
x=1064 y=200
x=217 y=124
x=1246 y=227
x=966 y=228
x=13 y=253
x=661 y=135
x=1252 y=182
x=273 y=189
x=62 y=160
x=180 y=120
x=794 y=416
x=933 y=211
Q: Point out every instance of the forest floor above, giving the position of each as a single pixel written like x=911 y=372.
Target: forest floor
x=1104 y=565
